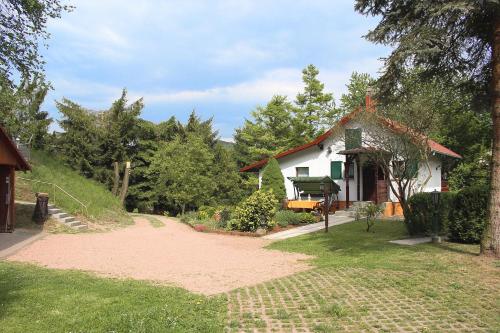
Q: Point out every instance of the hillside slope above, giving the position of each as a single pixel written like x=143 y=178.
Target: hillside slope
x=102 y=206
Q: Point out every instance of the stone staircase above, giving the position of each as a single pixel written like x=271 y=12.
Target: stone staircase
x=66 y=219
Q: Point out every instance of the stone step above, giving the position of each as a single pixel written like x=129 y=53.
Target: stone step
x=60 y=215
x=73 y=223
x=53 y=211
x=80 y=227
x=68 y=219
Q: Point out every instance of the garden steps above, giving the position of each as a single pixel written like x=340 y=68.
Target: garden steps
x=64 y=218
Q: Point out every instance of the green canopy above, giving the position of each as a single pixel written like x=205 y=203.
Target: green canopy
x=312 y=185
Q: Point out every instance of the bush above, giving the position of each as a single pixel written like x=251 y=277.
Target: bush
x=307 y=218
x=469 y=215
x=189 y=217
x=206 y=212
x=257 y=211
x=273 y=180
x=286 y=217
x=418 y=219
x=370 y=213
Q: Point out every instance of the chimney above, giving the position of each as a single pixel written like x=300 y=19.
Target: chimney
x=369 y=103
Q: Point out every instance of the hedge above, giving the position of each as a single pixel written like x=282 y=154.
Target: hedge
x=462 y=215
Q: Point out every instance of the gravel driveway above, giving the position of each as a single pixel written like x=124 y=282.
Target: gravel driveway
x=176 y=254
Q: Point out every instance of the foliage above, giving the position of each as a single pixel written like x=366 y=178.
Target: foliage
x=315 y=111
x=418 y=219
x=281 y=125
x=21 y=113
x=445 y=38
x=189 y=185
x=273 y=180
x=286 y=217
x=102 y=304
x=370 y=212
x=23 y=28
x=268 y=134
x=257 y=211
x=357 y=89
x=469 y=216
x=307 y=218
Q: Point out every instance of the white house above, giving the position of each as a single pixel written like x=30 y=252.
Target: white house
x=330 y=154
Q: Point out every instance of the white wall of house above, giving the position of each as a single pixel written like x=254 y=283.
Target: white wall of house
x=318 y=161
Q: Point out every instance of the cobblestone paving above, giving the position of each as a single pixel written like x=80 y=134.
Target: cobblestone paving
x=362 y=300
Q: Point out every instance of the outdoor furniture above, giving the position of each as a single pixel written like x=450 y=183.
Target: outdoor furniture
x=317 y=186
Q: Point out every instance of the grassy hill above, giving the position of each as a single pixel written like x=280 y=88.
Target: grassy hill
x=102 y=206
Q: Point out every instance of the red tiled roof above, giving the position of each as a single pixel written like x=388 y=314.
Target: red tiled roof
x=434 y=146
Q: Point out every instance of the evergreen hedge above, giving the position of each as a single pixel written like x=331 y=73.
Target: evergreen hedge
x=273 y=180
x=462 y=215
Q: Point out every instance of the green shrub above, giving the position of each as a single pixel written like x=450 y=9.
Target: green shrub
x=189 y=217
x=285 y=217
x=418 y=219
x=206 y=212
x=273 y=180
x=307 y=218
x=257 y=211
x=370 y=212
x=469 y=215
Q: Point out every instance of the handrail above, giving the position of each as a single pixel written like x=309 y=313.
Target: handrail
x=54 y=186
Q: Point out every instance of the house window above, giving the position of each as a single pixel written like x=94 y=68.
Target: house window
x=351 y=171
x=336 y=169
x=302 y=171
x=352 y=138
x=406 y=169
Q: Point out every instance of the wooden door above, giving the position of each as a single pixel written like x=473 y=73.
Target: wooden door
x=5 y=199
x=369 y=183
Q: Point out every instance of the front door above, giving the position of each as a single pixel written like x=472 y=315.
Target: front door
x=5 y=199
x=369 y=183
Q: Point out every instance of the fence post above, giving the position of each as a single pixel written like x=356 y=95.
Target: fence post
x=54 y=190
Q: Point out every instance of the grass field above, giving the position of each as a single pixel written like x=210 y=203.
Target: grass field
x=364 y=283
x=34 y=299
x=360 y=283
x=103 y=207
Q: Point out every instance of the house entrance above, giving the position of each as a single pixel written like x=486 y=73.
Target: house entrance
x=369 y=183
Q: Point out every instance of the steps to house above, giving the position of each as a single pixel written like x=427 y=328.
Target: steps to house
x=66 y=219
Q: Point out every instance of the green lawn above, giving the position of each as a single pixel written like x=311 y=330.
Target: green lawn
x=364 y=283
x=360 y=282
x=103 y=207
x=34 y=299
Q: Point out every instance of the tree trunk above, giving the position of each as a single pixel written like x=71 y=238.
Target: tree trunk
x=124 y=191
x=491 y=239
x=116 y=180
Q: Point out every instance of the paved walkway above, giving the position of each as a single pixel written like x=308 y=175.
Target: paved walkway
x=10 y=243
x=306 y=229
x=175 y=254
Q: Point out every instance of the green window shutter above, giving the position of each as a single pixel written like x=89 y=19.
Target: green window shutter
x=411 y=168
x=352 y=138
x=336 y=169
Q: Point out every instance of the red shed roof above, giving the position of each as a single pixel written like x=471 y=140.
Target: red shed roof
x=5 y=140
x=434 y=146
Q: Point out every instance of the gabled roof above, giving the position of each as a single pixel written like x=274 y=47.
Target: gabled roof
x=434 y=146
x=21 y=163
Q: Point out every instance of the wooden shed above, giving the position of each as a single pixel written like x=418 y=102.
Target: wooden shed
x=11 y=160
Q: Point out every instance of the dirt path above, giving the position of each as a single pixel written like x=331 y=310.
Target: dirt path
x=204 y=263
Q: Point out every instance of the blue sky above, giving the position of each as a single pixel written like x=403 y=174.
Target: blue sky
x=221 y=57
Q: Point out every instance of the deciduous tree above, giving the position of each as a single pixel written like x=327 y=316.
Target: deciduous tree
x=446 y=37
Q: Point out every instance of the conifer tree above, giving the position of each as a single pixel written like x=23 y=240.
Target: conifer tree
x=273 y=180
